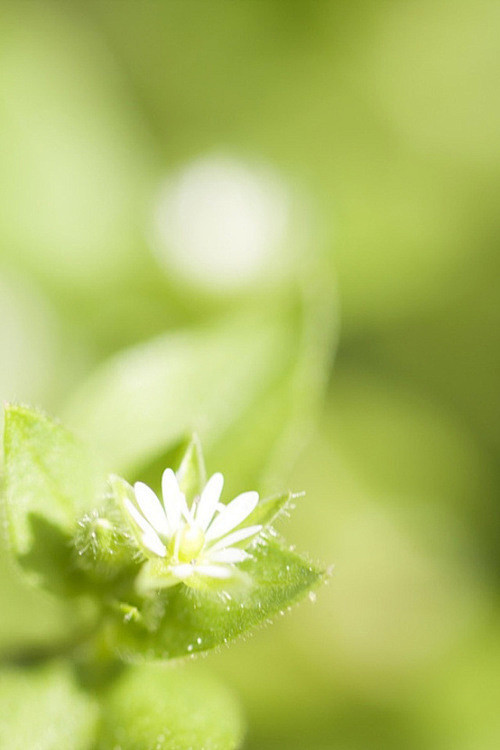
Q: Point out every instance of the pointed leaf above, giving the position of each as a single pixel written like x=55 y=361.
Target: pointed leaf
x=50 y=481
x=195 y=620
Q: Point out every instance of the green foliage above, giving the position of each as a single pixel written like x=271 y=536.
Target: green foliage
x=55 y=618
x=50 y=481
x=244 y=385
x=47 y=472
x=101 y=553
x=183 y=621
x=201 y=380
x=162 y=708
x=43 y=709
x=74 y=539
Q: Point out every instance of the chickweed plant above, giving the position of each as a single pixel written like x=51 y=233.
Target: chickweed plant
x=151 y=578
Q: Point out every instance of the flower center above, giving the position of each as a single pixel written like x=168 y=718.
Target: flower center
x=190 y=542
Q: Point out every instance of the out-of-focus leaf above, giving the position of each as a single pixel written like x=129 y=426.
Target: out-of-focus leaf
x=43 y=709
x=258 y=448
x=143 y=400
x=49 y=483
x=55 y=621
x=166 y=708
x=195 y=621
x=247 y=386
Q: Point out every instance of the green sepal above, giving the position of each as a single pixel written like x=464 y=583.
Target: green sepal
x=103 y=548
x=270 y=509
x=191 y=474
x=122 y=491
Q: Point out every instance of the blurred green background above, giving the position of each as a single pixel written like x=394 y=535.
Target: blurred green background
x=200 y=202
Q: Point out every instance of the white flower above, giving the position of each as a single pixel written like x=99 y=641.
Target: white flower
x=196 y=540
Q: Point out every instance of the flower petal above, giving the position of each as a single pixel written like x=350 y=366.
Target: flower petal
x=148 y=537
x=232 y=515
x=228 y=555
x=151 y=508
x=214 y=571
x=136 y=516
x=182 y=571
x=173 y=500
x=154 y=544
x=209 y=500
x=236 y=536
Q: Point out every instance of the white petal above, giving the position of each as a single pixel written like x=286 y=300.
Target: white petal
x=182 y=571
x=214 y=571
x=233 y=514
x=154 y=544
x=228 y=555
x=136 y=516
x=236 y=536
x=149 y=537
x=172 y=499
x=151 y=507
x=186 y=512
x=209 y=500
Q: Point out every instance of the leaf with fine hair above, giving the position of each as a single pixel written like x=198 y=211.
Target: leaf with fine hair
x=50 y=481
x=192 y=621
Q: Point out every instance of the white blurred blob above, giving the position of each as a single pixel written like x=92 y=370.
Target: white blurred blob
x=223 y=224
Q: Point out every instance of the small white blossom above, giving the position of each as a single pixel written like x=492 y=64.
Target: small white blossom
x=196 y=540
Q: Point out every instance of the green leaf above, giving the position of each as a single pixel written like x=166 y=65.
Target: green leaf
x=55 y=621
x=50 y=482
x=143 y=400
x=155 y=707
x=260 y=447
x=43 y=709
x=191 y=621
x=248 y=386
